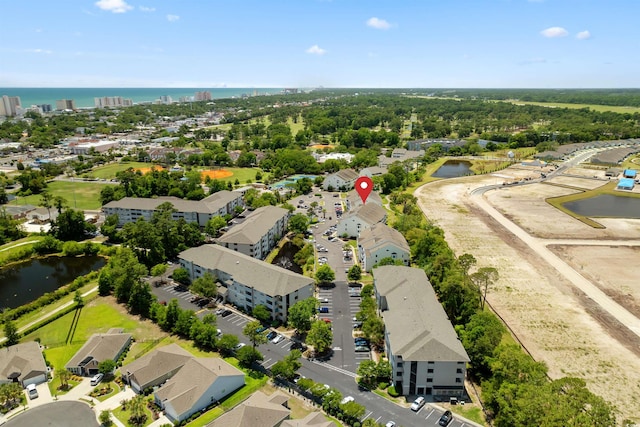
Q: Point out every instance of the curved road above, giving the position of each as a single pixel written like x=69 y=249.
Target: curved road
x=540 y=247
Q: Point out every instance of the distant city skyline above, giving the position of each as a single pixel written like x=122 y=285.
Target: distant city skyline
x=330 y=43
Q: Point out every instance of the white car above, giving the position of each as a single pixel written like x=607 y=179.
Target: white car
x=239 y=346
x=278 y=339
x=347 y=400
x=390 y=424
x=417 y=404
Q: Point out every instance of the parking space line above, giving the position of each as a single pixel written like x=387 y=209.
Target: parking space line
x=264 y=362
x=367 y=416
x=285 y=343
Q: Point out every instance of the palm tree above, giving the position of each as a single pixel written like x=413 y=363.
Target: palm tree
x=64 y=376
x=136 y=406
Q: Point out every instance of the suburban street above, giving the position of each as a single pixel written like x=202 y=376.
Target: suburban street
x=340 y=369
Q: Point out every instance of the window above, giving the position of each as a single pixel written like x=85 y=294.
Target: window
x=430 y=363
x=458 y=371
x=429 y=380
x=458 y=380
x=399 y=364
x=430 y=371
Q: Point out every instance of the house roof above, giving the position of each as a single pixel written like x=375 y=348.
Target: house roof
x=259 y=410
x=416 y=324
x=347 y=174
x=255 y=226
x=314 y=419
x=354 y=200
x=380 y=235
x=25 y=359
x=100 y=347
x=197 y=375
x=370 y=213
x=156 y=364
x=264 y=277
x=210 y=204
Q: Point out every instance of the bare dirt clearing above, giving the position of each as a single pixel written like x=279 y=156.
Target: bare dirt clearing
x=553 y=319
x=572 y=181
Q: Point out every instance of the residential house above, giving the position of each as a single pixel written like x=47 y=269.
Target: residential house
x=314 y=419
x=360 y=219
x=342 y=180
x=401 y=155
x=248 y=282
x=200 y=383
x=354 y=201
x=259 y=233
x=98 y=348
x=155 y=368
x=381 y=241
x=373 y=171
x=22 y=363
x=130 y=209
x=259 y=410
x=424 y=351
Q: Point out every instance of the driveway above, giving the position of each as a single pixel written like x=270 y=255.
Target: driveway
x=57 y=414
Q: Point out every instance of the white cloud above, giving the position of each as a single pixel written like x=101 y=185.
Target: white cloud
x=115 y=6
x=147 y=9
x=172 y=18
x=378 y=24
x=553 y=32
x=583 y=35
x=45 y=51
x=316 y=50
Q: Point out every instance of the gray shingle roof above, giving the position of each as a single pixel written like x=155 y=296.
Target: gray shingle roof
x=255 y=226
x=314 y=419
x=354 y=201
x=379 y=235
x=100 y=347
x=210 y=204
x=25 y=358
x=417 y=326
x=264 y=277
x=259 y=410
x=371 y=213
x=347 y=174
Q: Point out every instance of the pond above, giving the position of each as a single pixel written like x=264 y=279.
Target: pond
x=26 y=281
x=284 y=258
x=606 y=205
x=454 y=169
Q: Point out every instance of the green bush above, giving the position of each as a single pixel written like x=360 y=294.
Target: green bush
x=392 y=392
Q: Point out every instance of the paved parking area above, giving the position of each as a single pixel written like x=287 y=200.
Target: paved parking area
x=56 y=414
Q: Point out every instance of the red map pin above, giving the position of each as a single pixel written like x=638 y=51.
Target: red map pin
x=364 y=185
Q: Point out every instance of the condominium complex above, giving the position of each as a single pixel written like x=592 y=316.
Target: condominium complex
x=203 y=96
x=112 y=101
x=65 y=104
x=259 y=233
x=424 y=351
x=10 y=106
x=130 y=209
x=248 y=282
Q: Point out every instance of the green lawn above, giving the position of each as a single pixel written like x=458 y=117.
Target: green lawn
x=12 y=248
x=55 y=383
x=123 y=416
x=594 y=107
x=78 y=194
x=109 y=171
x=242 y=174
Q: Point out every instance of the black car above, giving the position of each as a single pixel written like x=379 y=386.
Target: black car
x=445 y=419
x=181 y=288
x=226 y=313
x=297 y=345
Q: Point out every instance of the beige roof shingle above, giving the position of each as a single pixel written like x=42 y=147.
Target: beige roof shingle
x=418 y=327
x=193 y=380
x=259 y=410
x=264 y=277
x=255 y=226
x=156 y=364
x=379 y=235
x=100 y=347
x=210 y=204
x=25 y=359
x=314 y=419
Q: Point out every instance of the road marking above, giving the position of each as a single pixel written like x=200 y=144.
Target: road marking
x=378 y=419
x=264 y=362
x=367 y=416
x=334 y=368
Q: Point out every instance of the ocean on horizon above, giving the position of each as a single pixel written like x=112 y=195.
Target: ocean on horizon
x=84 y=97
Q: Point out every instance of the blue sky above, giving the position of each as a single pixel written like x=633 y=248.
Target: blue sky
x=309 y=43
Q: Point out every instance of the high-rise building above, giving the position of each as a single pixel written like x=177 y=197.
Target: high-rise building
x=10 y=105
x=112 y=101
x=46 y=108
x=65 y=104
x=203 y=96
x=166 y=99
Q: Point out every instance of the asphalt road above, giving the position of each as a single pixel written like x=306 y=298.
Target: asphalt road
x=338 y=371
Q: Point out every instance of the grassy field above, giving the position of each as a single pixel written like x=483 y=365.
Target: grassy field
x=594 y=107
x=242 y=174
x=14 y=247
x=109 y=171
x=123 y=416
x=78 y=194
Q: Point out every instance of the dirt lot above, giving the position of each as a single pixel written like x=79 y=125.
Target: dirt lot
x=555 y=321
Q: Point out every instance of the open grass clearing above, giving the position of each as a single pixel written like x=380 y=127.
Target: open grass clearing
x=594 y=107
x=10 y=249
x=109 y=171
x=241 y=174
x=78 y=194
x=54 y=385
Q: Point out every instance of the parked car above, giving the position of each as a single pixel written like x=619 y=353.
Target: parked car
x=347 y=400
x=262 y=329
x=362 y=349
x=226 y=313
x=32 y=391
x=220 y=311
x=445 y=419
x=390 y=424
x=239 y=346
x=357 y=325
x=95 y=380
x=417 y=404
x=323 y=309
x=271 y=335
x=297 y=345
x=218 y=333
x=278 y=339
x=361 y=341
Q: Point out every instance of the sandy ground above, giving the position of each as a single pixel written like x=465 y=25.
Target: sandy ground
x=554 y=320
x=583 y=183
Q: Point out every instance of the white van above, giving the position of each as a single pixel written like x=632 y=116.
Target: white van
x=95 y=380
x=32 y=391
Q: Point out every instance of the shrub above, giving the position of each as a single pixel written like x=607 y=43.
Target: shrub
x=392 y=392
